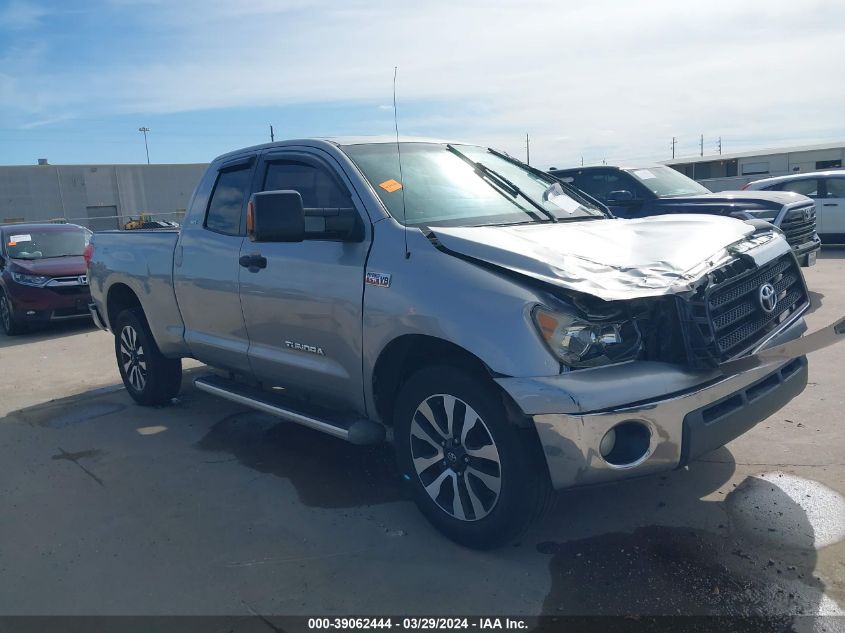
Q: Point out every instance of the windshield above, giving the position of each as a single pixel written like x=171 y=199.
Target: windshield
x=665 y=182
x=442 y=188
x=29 y=244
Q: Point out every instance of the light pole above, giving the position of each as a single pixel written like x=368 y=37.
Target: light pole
x=146 y=147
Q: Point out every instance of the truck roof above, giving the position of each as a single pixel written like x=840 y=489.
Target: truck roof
x=337 y=141
x=596 y=167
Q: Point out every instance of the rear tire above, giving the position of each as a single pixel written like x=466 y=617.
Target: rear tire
x=475 y=475
x=149 y=377
x=11 y=326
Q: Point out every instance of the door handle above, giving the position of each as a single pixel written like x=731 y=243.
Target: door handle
x=253 y=262
x=831 y=204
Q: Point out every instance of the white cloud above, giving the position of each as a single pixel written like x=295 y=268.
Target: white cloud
x=601 y=79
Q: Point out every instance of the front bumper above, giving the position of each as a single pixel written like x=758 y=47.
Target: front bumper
x=803 y=251
x=32 y=304
x=685 y=414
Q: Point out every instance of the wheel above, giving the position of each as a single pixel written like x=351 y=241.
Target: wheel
x=149 y=377
x=475 y=475
x=11 y=325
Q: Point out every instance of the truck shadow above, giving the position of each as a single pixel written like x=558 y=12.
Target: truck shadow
x=38 y=333
x=326 y=472
x=751 y=553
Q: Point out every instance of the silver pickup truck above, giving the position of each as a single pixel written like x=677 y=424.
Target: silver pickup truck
x=495 y=324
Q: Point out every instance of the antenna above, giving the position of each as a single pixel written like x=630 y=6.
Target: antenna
x=401 y=176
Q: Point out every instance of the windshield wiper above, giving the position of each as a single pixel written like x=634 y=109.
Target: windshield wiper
x=503 y=183
x=572 y=191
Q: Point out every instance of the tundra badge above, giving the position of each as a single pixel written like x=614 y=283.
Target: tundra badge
x=302 y=347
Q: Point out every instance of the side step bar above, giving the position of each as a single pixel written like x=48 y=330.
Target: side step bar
x=354 y=431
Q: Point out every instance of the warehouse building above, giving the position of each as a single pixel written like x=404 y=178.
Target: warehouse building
x=97 y=196
x=731 y=171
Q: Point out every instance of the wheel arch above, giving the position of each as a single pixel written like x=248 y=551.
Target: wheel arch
x=120 y=297
x=407 y=353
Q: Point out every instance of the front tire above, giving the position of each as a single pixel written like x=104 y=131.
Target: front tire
x=11 y=326
x=149 y=377
x=475 y=475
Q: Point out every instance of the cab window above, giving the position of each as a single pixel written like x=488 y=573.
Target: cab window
x=805 y=186
x=227 y=201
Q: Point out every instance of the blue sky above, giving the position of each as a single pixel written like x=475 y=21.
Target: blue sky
x=603 y=79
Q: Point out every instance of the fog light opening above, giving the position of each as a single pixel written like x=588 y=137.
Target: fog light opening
x=626 y=443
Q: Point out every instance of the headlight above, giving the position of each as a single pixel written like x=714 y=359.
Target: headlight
x=580 y=343
x=30 y=280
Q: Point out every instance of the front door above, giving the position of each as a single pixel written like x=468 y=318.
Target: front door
x=833 y=208
x=303 y=311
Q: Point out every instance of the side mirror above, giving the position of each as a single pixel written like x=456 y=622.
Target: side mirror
x=622 y=196
x=275 y=216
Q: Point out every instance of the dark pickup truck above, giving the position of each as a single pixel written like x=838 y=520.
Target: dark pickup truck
x=635 y=192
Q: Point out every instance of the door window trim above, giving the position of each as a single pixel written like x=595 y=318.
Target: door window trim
x=245 y=163
x=305 y=157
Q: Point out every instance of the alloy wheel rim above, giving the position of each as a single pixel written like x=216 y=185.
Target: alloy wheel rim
x=132 y=358
x=455 y=457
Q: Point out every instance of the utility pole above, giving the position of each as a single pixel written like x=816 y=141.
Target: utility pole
x=674 y=142
x=527 y=150
x=272 y=137
x=720 y=146
x=146 y=147
x=702 y=145
x=582 y=161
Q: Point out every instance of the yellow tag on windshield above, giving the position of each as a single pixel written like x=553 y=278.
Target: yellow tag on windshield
x=13 y=243
x=391 y=185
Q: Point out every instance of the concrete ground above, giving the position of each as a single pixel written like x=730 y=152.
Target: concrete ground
x=205 y=507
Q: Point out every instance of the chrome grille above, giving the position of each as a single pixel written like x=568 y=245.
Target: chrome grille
x=726 y=318
x=799 y=225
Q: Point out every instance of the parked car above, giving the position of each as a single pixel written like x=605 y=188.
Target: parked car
x=826 y=188
x=42 y=274
x=634 y=192
x=497 y=325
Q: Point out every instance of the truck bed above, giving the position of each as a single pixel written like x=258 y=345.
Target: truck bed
x=141 y=260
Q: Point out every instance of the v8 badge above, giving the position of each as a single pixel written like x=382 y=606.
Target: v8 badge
x=378 y=279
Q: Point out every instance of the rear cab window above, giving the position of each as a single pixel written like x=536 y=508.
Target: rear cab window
x=836 y=187
x=225 y=208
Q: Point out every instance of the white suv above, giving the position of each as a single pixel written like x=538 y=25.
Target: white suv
x=827 y=188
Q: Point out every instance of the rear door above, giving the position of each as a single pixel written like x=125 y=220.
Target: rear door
x=303 y=312
x=833 y=207
x=206 y=270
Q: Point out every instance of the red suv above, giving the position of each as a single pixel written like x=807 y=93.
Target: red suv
x=42 y=274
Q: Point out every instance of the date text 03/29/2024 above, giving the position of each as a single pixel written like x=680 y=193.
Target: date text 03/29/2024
x=418 y=623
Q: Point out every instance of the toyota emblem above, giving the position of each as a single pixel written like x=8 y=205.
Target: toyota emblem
x=768 y=298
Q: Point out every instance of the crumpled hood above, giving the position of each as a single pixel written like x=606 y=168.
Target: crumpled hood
x=614 y=258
